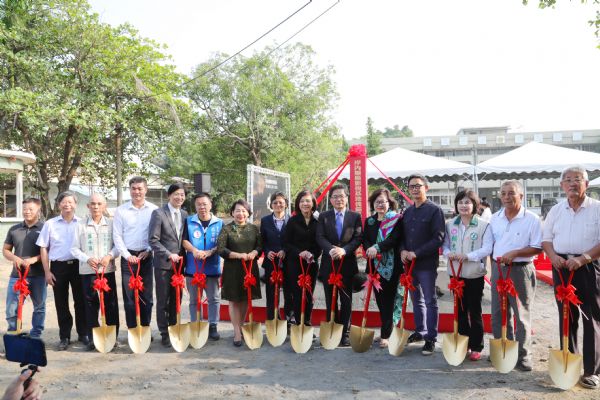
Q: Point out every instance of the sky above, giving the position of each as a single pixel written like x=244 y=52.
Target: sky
x=436 y=66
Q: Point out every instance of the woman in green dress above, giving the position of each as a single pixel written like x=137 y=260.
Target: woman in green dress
x=239 y=241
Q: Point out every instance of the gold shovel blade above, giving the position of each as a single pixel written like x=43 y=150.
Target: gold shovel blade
x=301 y=337
x=361 y=339
x=504 y=356
x=565 y=375
x=253 y=336
x=276 y=331
x=105 y=337
x=179 y=334
x=454 y=348
x=198 y=334
x=397 y=341
x=330 y=335
x=139 y=339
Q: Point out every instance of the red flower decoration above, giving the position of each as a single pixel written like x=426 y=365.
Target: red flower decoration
x=277 y=277
x=406 y=280
x=358 y=150
x=506 y=286
x=373 y=280
x=199 y=280
x=457 y=286
x=567 y=293
x=249 y=280
x=135 y=283
x=22 y=287
x=335 y=280
x=178 y=281
x=101 y=284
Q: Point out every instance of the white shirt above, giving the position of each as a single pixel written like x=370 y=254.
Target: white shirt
x=573 y=232
x=57 y=236
x=176 y=216
x=524 y=230
x=130 y=227
x=486 y=214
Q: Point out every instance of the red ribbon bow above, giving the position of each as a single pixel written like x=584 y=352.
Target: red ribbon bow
x=406 y=280
x=373 y=280
x=567 y=293
x=506 y=286
x=249 y=280
x=101 y=284
x=178 y=281
x=358 y=150
x=135 y=283
x=277 y=277
x=335 y=279
x=22 y=287
x=199 y=280
x=305 y=281
x=457 y=286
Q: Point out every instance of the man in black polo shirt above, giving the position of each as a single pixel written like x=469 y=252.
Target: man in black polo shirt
x=423 y=234
x=20 y=249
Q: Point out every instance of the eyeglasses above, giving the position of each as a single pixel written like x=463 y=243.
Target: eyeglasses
x=415 y=187
x=464 y=203
x=381 y=202
x=338 y=196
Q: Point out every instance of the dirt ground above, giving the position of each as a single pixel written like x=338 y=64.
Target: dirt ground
x=221 y=370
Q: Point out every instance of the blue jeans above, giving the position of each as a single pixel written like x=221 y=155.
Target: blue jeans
x=37 y=287
x=425 y=305
x=213 y=295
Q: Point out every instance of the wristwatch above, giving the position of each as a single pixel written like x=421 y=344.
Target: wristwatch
x=588 y=258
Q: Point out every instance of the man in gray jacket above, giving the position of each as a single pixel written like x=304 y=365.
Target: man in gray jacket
x=167 y=226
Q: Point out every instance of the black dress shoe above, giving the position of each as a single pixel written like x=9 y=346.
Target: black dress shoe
x=85 y=340
x=237 y=343
x=63 y=344
x=345 y=342
x=165 y=341
x=212 y=332
x=90 y=346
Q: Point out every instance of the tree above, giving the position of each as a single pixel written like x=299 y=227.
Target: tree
x=594 y=22
x=373 y=139
x=271 y=110
x=70 y=85
x=397 y=132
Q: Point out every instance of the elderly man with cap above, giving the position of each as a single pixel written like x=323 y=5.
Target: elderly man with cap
x=571 y=240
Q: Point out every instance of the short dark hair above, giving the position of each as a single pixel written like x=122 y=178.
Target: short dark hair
x=175 y=187
x=469 y=194
x=200 y=195
x=340 y=186
x=138 y=179
x=279 y=194
x=417 y=176
x=33 y=200
x=242 y=203
x=393 y=204
x=67 y=193
x=485 y=204
x=299 y=197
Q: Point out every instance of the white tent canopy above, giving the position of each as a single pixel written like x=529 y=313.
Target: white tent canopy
x=401 y=163
x=595 y=182
x=537 y=160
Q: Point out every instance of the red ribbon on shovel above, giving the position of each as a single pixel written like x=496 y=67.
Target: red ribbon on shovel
x=178 y=282
x=566 y=293
x=505 y=285
x=277 y=281
x=135 y=280
x=406 y=278
x=335 y=277
x=101 y=285
x=199 y=280
x=456 y=284
x=22 y=287
x=373 y=277
x=305 y=280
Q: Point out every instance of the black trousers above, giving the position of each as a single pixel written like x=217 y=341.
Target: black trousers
x=146 y=302
x=92 y=302
x=470 y=322
x=166 y=308
x=587 y=282
x=270 y=291
x=385 y=302
x=67 y=273
x=343 y=315
x=291 y=275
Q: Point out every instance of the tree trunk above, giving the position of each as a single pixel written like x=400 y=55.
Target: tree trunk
x=119 y=163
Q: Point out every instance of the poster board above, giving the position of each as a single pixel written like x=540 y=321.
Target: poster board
x=261 y=183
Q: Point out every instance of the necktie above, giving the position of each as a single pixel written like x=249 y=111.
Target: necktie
x=176 y=221
x=339 y=222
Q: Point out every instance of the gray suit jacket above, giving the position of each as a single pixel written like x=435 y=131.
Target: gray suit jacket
x=163 y=238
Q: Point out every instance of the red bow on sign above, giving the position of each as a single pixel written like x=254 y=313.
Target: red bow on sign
x=178 y=281
x=457 y=286
x=506 y=286
x=373 y=280
x=101 y=284
x=277 y=277
x=22 y=287
x=135 y=283
x=249 y=280
x=567 y=293
x=335 y=279
x=358 y=150
x=406 y=280
x=199 y=280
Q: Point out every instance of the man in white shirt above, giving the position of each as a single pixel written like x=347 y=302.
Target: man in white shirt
x=93 y=247
x=517 y=239
x=130 y=234
x=571 y=239
x=61 y=268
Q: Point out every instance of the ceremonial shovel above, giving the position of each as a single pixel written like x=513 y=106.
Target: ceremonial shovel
x=399 y=336
x=104 y=336
x=199 y=328
x=330 y=332
x=22 y=287
x=251 y=331
x=361 y=338
x=138 y=337
x=301 y=335
x=276 y=328
x=454 y=345
x=179 y=334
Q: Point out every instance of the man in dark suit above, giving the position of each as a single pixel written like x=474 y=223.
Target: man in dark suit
x=165 y=234
x=339 y=233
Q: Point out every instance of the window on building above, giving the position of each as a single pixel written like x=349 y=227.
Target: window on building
x=427 y=142
x=538 y=137
x=577 y=136
x=500 y=139
x=481 y=140
x=463 y=140
x=8 y=196
x=445 y=141
x=557 y=137
x=519 y=139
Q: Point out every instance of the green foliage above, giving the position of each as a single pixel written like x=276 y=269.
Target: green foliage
x=373 y=139
x=397 y=132
x=70 y=84
x=593 y=22
x=271 y=110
